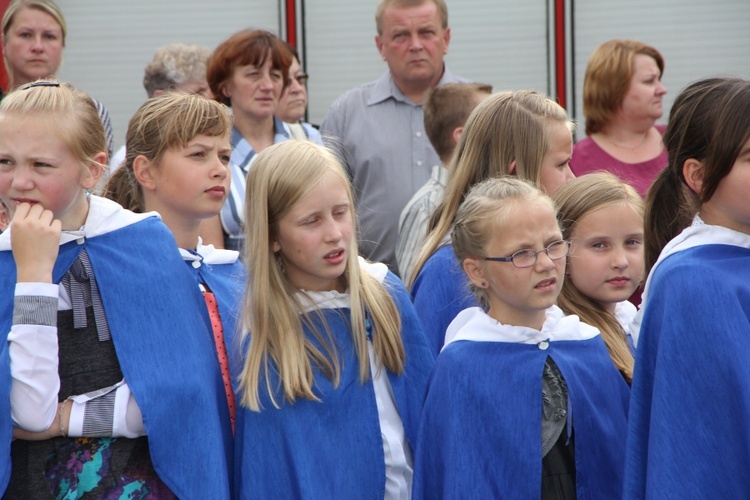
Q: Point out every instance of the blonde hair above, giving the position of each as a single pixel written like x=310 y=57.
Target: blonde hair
x=477 y=217
x=281 y=175
x=15 y=6
x=575 y=200
x=505 y=127
x=73 y=112
x=170 y=120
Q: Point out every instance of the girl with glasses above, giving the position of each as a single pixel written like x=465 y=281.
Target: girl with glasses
x=523 y=401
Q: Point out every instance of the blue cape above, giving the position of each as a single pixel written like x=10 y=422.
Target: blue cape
x=688 y=435
x=332 y=448
x=158 y=322
x=440 y=292
x=480 y=435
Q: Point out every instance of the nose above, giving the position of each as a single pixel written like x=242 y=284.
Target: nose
x=22 y=181
x=620 y=259
x=660 y=88
x=544 y=262
x=568 y=174
x=333 y=232
x=37 y=45
x=416 y=42
x=219 y=170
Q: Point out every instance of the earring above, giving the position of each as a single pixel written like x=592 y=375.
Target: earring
x=484 y=284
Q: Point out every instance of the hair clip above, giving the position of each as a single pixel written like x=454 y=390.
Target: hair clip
x=40 y=83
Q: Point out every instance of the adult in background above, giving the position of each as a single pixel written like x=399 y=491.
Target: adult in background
x=380 y=124
x=176 y=66
x=33 y=38
x=248 y=72
x=446 y=109
x=622 y=99
x=293 y=103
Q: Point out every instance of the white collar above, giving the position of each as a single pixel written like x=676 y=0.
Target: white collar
x=337 y=300
x=697 y=234
x=104 y=217
x=209 y=254
x=476 y=325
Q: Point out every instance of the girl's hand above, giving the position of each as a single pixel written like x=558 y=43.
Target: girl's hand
x=35 y=241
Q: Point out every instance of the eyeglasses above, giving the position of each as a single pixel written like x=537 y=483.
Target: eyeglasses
x=527 y=257
x=301 y=78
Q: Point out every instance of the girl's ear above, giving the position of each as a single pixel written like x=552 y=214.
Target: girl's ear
x=692 y=172
x=275 y=247
x=144 y=172
x=475 y=271
x=512 y=168
x=94 y=171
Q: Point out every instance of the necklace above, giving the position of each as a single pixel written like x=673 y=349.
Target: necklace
x=624 y=146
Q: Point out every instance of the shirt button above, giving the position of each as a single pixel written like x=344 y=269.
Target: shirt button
x=419 y=134
x=196 y=264
x=543 y=345
x=419 y=162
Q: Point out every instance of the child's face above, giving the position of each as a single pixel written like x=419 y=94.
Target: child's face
x=555 y=169
x=38 y=167
x=520 y=296
x=729 y=206
x=606 y=264
x=314 y=237
x=193 y=182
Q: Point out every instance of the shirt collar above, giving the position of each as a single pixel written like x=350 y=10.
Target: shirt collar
x=385 y=88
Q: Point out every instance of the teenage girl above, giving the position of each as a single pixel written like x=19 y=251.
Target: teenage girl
x=336 y=363
x=177 y=154
x=112 y=382
x=688 y=434
x=519 y=133
x=523 y=401
x=603 y=218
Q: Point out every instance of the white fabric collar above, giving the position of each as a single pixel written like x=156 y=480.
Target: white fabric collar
x=697 y=234
x=104 y=217
x=476 y=325
x=210 y=254
x=337 y=300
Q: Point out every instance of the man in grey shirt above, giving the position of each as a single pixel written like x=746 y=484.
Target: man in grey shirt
x=379 y=126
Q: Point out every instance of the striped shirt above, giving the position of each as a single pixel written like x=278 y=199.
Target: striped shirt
x=412 y=225
x=233 y=212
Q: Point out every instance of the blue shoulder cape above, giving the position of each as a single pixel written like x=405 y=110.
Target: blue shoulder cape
x=440 y=292
x=332 y=448
x=688 y=435
x=480 y=435
x=158 y=322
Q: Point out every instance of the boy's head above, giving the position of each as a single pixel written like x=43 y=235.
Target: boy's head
x=446 y=109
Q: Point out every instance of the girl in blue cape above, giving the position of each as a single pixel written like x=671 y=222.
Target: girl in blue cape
x=602 y=216
x=523 y=402
x=176 y=164
x=111 y=384
x=687 y=435
x=337 y=363
x=524 y=134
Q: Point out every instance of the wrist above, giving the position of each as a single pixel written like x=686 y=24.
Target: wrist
x=63 y=417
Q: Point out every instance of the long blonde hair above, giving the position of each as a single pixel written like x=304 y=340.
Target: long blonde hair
x=575 y=200
x=281 y=175
x=505 y=127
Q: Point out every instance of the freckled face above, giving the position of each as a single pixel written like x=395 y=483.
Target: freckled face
x=314 y=237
